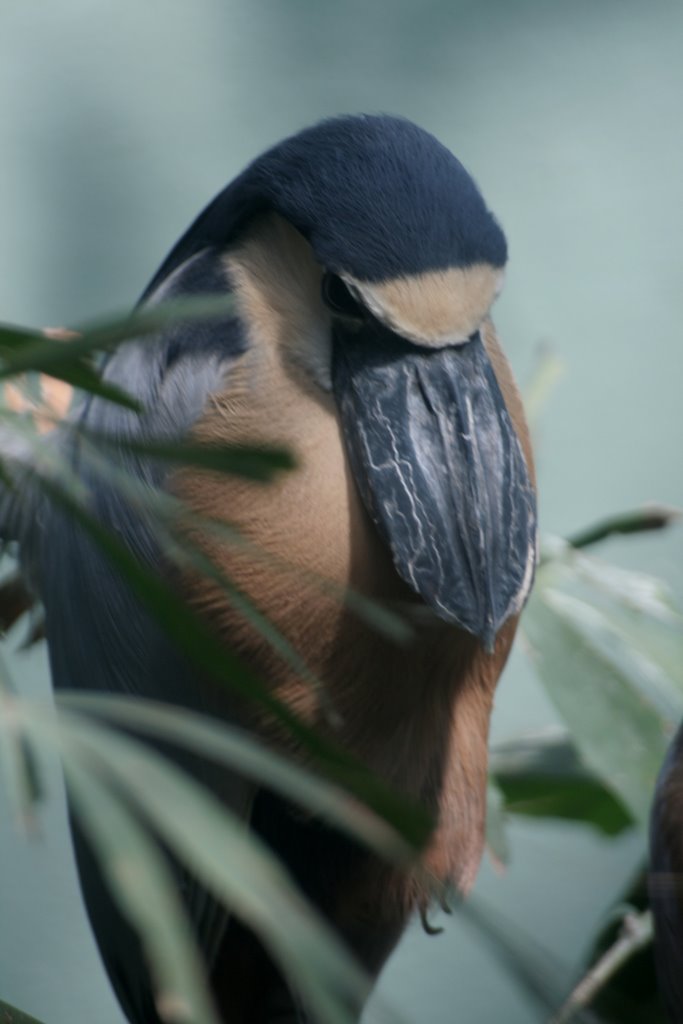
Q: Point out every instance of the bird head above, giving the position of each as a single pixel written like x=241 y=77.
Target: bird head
x=410 y=260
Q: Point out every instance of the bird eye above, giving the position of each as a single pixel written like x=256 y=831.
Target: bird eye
x=338 y=297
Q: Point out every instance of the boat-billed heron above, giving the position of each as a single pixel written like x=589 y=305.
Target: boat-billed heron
x=666 y=878
x=364 y=263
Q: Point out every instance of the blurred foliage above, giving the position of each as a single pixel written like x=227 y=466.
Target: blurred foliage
x=542 y=775
x=607 y=645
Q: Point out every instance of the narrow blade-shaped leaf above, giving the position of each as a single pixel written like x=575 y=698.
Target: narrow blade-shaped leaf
x=251 y=462
x=233 y=864
x=22 y=349
x=242 y=753
x=145 y=891
x=86 y=378
x=19 y=767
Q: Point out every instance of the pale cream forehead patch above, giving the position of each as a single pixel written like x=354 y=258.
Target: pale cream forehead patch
x=437 y=307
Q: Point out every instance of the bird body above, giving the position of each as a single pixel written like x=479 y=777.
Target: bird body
x=393 y=706
x=363 y=263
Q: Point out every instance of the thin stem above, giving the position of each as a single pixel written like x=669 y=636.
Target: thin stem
x=636 y=933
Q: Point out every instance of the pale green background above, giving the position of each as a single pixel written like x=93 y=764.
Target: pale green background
x=118 y=120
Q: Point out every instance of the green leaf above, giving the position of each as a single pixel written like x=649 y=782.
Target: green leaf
x=541 y=775
x=15 y=339
x=239 y=751
x=233 y=864
x=619 y=706
x=649 y=517
x=68 y=359
x=22 y=350
x=19 y=768
x=247 y=461
x=252 y=462
x=633 y=591
x=643 y=610
x=146 y=892
x=86 y=378
x=108 y=332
